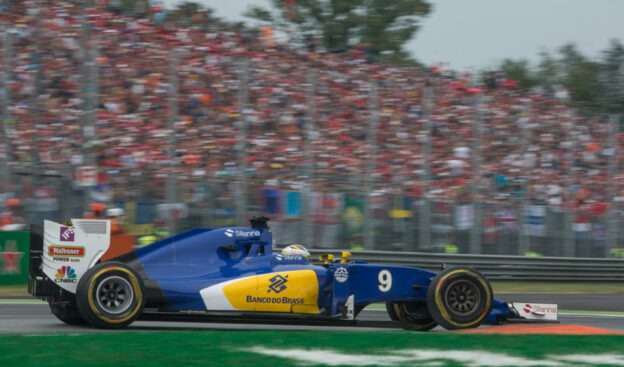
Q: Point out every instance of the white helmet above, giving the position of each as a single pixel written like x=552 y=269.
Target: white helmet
x=296 y=250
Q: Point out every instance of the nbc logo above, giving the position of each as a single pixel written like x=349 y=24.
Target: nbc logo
x=65 y=274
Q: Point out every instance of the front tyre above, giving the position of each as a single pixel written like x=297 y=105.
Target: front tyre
x=414 y=315
x=459 y=298
x=110 y=295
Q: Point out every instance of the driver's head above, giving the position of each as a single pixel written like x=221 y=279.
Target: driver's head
x=296 y=250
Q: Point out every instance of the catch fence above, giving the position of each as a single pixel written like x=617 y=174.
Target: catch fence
x=337 y=219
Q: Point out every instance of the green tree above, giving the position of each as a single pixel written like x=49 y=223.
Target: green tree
x=580 y=77
x=549 y=71
x=520 y=71
x=187 y=10
x=611 y=77
x=186 y=13
x=190 y=13
x=593 y=85
x=384 y=25
x=569 y=68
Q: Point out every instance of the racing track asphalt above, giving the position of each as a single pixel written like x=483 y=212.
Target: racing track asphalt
x=30 y=316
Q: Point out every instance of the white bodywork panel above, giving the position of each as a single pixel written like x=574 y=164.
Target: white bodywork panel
x=536 y=311
x=69 y=251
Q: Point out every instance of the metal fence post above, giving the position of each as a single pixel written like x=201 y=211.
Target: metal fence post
x=7 y=57
x=36 y=104
x=309 y=163
x=613 y=214
x=88 y=85
x=172 y=196
x=569 y=211
x=425 y=205
x=241 y=149
x=371 y=167
x=476 y=246
x=523 y=244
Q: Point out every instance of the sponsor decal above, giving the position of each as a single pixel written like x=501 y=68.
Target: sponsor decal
x=241 y=233
x=281 y=259
x=65 y=274
x=288 y=291
x=536 y=311
x=341 y=274
x=527 y=308
x=539 y=310
x=66 y=251
x=67 y=234
x=275 y=300
x=278 y=283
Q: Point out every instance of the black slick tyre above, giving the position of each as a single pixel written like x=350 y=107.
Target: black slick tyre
x=459 y=298
x=110 y=295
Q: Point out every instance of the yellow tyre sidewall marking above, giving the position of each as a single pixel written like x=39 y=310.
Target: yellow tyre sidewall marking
x=440 y=304
x=397 y=310
x=135 y=285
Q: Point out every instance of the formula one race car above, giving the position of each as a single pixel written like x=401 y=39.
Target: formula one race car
x=233 y=271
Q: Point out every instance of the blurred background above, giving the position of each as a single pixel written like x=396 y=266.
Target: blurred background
x=165 y=118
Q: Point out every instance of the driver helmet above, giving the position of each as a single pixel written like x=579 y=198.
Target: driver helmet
x=296 y=250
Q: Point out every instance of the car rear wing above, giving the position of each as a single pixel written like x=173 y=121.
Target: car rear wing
x=60 y=254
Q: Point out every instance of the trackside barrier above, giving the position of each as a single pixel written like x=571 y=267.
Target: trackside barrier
x=496 y=267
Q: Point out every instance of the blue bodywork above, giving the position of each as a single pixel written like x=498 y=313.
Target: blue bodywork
x=178 y=268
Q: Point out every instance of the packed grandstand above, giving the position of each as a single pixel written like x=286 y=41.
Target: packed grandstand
x=474 y=137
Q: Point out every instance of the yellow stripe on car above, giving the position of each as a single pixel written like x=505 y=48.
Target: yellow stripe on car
x=287 y=291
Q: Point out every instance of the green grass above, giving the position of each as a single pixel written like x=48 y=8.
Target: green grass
x=240 y=348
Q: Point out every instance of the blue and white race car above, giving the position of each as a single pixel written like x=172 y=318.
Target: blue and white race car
x=234 y=271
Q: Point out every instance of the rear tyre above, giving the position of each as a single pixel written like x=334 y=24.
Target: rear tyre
x=66 y=312
x=459 y=298
x=414 y=315
x=110 y=295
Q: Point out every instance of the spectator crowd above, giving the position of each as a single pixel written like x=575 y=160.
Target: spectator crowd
x=466 y=137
